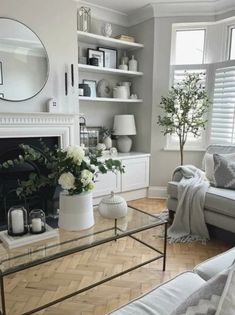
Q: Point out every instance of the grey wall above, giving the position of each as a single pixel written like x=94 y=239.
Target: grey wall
x=55 y=22
x=144 y=34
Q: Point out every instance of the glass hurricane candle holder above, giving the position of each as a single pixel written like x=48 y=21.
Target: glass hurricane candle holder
x=17 y=223
x=37 y=221
x=84 y=16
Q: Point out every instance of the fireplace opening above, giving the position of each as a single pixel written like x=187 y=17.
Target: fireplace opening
x=46 y=199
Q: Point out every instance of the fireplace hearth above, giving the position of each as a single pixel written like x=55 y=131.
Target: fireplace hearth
x=46 y=199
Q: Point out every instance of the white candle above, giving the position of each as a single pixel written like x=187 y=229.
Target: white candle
x=36 y=225
x=17 y=221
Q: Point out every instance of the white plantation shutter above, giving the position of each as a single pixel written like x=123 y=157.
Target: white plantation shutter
x=177 y=75
x=223 y=111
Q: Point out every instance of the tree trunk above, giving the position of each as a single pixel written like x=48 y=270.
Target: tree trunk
x=181 y=155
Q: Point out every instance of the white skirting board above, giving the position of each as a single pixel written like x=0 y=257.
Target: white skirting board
x=11 y=242
x=159 y=192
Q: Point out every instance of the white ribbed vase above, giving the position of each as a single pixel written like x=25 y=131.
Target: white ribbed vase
x=76 y=212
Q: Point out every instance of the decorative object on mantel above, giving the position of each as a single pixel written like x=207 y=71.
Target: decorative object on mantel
x=52 y=106
x=101 y=147
x=104 y=89
x=124 y=126
x=11 y=242
x=107 y=29
x=37 y=221
x=126 y=38
x=113 y=207
x=84 y=19
x=17 y=222
x=73 y=171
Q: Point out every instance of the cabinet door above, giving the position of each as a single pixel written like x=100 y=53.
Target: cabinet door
x=105 y=183
x=136 y=174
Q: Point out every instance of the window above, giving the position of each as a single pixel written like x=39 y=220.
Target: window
x=223 y=111
x=232 y=44
x=178 y=75
x=189 y=46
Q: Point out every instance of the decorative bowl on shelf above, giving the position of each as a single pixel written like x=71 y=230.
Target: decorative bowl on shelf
x=113 y=207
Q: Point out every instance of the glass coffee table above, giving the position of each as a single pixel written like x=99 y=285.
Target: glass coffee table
x=68 y=243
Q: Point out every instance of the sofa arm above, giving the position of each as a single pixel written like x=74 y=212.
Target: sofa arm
x=216 y=264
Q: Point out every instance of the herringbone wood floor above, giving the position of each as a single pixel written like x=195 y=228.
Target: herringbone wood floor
x=40 y=285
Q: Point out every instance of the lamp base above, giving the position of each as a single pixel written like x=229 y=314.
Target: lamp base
x=124 y=144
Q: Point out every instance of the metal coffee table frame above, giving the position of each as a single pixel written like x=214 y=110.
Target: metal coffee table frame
x=116 y=229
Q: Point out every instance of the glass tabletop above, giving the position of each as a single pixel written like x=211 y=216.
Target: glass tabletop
x=65 y=243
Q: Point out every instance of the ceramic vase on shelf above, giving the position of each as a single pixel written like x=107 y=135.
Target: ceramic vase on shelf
x=76 y=211
x=133 y=64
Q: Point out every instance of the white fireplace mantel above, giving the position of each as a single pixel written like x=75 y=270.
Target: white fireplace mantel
x=22 y=125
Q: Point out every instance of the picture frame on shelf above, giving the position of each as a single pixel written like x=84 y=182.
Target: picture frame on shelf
x=92 y=85
x=1 y=76
x=94 y=53
x=110 y=57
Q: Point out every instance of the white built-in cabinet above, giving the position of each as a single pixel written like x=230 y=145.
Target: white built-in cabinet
x=136 y=175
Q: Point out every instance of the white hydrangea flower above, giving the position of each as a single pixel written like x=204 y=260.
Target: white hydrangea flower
x=76 y=153
x=67 y=181
x=86 y=177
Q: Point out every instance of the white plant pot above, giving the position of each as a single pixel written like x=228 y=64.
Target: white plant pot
x=76 y=212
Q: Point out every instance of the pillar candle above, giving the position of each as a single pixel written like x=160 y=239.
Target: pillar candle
x=36 y=225
x=17 y=220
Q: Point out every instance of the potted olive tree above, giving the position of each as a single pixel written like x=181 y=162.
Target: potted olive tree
x=184 y=108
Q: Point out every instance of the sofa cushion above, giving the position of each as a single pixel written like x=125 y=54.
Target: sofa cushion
x=212 y=266
x=205 y=300
x=209 y=164
x=165 y=298
x=217 y=199
x=224 y=172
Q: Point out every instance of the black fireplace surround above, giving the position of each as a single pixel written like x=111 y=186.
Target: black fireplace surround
x=46 y=199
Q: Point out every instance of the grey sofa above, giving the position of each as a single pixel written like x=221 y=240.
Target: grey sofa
x=219 y=203
x=164 y=299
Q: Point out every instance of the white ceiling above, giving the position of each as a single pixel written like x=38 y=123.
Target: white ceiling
x=127 y=6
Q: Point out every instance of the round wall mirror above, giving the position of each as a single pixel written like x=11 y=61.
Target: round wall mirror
x=24 y=65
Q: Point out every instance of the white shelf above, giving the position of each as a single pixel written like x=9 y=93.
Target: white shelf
x=95 y=39
x=88 y=68
x=113 y=100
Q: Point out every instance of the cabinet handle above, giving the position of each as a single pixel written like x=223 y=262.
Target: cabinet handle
x=66 y=83
x=72 y=75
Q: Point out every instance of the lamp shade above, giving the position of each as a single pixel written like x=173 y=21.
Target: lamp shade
x=124 y=125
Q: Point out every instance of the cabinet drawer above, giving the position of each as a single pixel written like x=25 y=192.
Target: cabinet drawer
x=136 y=174
x=106 y=183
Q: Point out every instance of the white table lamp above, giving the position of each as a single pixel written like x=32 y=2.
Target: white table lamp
x=124 y=126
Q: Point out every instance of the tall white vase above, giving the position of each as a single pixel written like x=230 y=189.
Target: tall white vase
x=76 y=212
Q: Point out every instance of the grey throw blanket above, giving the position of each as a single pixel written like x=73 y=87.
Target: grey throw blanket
x=189 y=223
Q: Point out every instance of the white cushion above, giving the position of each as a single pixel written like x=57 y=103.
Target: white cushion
x=165 y=298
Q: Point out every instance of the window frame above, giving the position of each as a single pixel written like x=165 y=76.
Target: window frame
x=229 y=41
x=176 y=29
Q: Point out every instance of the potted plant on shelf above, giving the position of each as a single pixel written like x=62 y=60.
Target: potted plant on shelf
x=185 y=108
x=73 y=171
x=106 y=137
